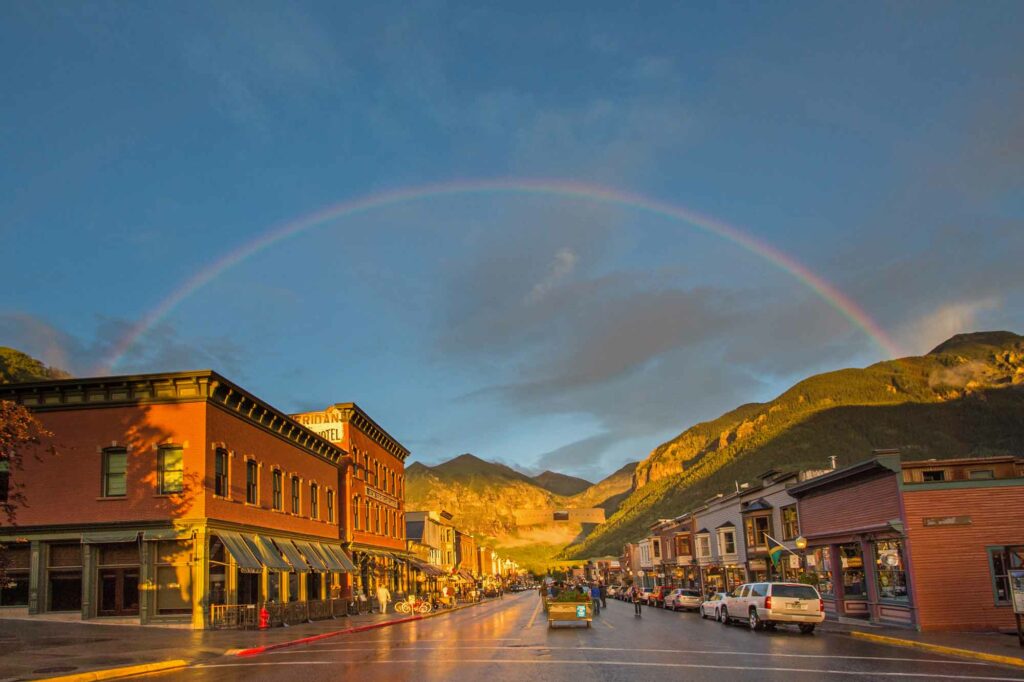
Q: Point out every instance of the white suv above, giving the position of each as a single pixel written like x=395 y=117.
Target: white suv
x=765 y=604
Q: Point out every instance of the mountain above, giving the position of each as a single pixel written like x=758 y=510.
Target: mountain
x=561 y=484
x=965 y=398
x=17 y=367
x=609 y=492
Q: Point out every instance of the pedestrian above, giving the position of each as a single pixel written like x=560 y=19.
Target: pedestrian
x=595 y=596
x=604 y=595
x=383 y=597
x=635 y=594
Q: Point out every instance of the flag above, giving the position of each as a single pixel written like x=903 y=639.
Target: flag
x=775 y=550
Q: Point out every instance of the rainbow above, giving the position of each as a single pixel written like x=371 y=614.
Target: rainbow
x=554 y=188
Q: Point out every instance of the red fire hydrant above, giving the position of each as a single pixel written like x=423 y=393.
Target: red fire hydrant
x=264 y=618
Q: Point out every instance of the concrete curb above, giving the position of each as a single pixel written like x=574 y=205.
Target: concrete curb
x=939 y=649
x=254 y=651
x=114 y=673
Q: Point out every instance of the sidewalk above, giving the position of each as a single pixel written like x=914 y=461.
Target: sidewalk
x=36 y=648
x=993 y=647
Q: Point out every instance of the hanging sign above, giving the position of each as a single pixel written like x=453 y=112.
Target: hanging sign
x=1016 y=577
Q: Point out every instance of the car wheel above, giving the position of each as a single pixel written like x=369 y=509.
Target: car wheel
x=755 y=621
x=806 y=628
x=723 y=616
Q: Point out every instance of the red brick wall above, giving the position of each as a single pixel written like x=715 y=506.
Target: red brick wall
x=861 y=505
x=953 y=586
x=355 y=440
x=246 y=440
x=66 y=488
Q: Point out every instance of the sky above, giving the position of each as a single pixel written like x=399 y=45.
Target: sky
x=878 y=145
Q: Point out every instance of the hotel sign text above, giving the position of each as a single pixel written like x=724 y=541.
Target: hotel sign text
x=382 y=497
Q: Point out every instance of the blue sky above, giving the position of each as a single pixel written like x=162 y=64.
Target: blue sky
x=881 y=144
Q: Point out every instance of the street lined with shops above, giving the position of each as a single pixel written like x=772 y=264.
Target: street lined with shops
x=508 y=639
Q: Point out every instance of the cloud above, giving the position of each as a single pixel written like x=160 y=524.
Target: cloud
x=931 y=329
x=564 y=264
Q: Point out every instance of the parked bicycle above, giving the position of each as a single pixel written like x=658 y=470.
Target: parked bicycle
x=416 y=605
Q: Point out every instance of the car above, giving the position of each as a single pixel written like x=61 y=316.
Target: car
x=647 y=595
x=712 y=605
x=613 y=591
x=767 y=604
x=659 y=593
x=682 y=598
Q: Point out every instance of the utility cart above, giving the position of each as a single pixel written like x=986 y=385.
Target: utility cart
x=569 y=612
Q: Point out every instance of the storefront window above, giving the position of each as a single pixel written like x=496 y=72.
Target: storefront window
x=14 y=589
x=1002 y=559
x=892 y=576
x=273 y=586
x=819 y=566
x=174 y=577
x=852 y=562
x=218 y=571
x=64 y=578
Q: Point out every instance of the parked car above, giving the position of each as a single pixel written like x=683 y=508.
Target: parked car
x=712 y=605
x=681 y=598
x=613 y=591
x=659 y=594
x=766 y=604
x=647 y=595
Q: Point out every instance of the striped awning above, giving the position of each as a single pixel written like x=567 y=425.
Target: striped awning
x=338 y=553
x=332 y=562
x=237 y=548
x=312 y=556
x=267 y=553
x=293 y=555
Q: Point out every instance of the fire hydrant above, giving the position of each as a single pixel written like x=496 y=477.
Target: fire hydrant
x=264 y=618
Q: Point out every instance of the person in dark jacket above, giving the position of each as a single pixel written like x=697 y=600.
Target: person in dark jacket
x=604 y=595
x=635 y=594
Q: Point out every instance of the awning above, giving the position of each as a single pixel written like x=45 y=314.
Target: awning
x=110 y=537
x=312 y=556
x=294 y=558
x=338 y=553
x=247 y=561
x=267 y=553
x=428 y=569
x=332 y=563
x=167 y=534
x=467 y=575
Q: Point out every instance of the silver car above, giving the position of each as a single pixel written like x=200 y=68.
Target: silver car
x=682 y=598
x=712 y=606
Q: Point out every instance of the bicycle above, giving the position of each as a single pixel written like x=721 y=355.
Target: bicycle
x=418 y=606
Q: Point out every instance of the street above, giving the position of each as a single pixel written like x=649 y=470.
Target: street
x=509 y=639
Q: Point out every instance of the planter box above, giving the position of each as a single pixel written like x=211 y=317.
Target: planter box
x=570 y=612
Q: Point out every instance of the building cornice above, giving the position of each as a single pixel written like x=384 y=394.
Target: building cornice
x=353 y=414
x=175 y=387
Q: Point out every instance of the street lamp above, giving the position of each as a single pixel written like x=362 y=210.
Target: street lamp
x=801 y=543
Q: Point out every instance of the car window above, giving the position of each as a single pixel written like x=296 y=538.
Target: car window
x=794 y=591
x=759 y=590
x=744 y=590
x=736 y=592
x=690 y=593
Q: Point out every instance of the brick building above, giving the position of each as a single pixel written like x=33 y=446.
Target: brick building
x=173 y=497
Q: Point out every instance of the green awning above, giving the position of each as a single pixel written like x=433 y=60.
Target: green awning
x=312 y=556
x=267 y=553
x=294 y=557
x=328 y=558
x=110 y=537
x=247 y=562
x=167 y=534
x=338 y=553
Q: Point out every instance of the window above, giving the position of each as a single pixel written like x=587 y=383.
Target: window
x=314 y=501
x=819 y=566
x=170 y=469
x=703 y=546
x=14 y=588
x=220 y=472
x=657 y=549
x=295 y=495
x=252 y=482
x=115 y=466
x=376 y=518
x=759 y=590
x=387 y=519
x=981 y=474
x=891 y=573
x=852 y=564
x=937 y=475
x=683 y=545
x=1001 y=560
x=758 y=529
x=330 y=506
x=278 y=483
x=5 y=479
x=727 y=541
x=355 y=512
x=367 y=524
x=790 y=523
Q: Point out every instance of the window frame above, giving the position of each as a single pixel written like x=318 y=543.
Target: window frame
x=1004 y=553
x=926 y=473
x=252 y=487
x=314 y=501
x=162 y=471
x=222 y=479
x=330 y=505
x=723 y=543
x=703 y=541
x=786 y=535
x=296 y=495
x=105 y=483
x=277 y=490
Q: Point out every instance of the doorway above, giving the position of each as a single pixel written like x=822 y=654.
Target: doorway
x=119 y=592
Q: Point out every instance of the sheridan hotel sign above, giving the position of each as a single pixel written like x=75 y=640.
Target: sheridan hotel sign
x=327 y=424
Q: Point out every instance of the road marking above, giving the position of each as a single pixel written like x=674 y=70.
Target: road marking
x=541 y=647
x=534 y=616
x=626 y=664
x=610 y=626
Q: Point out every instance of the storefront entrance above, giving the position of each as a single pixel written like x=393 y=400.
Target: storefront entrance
x=119 y=592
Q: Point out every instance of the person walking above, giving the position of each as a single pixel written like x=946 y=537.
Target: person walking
x=383 y=597
x=595 y=596
x=604 y=595
x=635 y=594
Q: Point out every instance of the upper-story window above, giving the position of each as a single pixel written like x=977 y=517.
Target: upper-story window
x=387 y=524
x=115 y=467
x=314 y=501
x=5 y=480
x=758 y=529
x=376 y=519
x=277 y=485
x=727 y=541
x=981 y=474
x=937 y=475
x=330 y=506
x=683 y=545
x=703 y=546
x=295 y=495
x=252 y=482
x=790 y=523
x=170 y=469
x=220 y=472
x=656 y=547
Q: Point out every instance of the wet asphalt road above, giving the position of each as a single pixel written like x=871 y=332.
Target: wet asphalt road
x=509 y=640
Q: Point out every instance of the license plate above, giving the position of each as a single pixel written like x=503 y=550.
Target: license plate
x=797 y=605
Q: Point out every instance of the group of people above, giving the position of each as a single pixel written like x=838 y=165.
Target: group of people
x=447 y=596
x=596 y=590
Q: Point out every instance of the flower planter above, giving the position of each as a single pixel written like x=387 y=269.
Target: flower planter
x=570 y=612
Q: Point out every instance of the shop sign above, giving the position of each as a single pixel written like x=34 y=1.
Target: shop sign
x=758 y=565
x=1017 y=589
x=327 y=425
x=794 y=561
x=382 y=497
x=931 y=521
x=811 y=561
